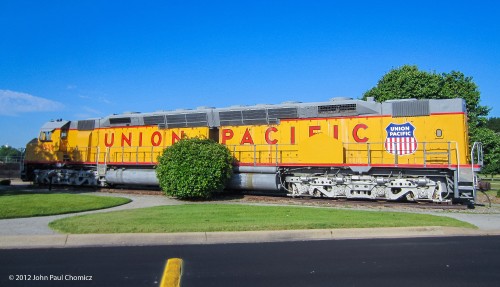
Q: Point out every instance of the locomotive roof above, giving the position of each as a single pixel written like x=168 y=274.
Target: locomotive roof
x=273 y=113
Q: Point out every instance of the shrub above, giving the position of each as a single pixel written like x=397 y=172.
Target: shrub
x=194 y=168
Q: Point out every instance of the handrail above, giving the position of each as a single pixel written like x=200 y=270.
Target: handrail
x=146 y=153
x=476 y=146
x=370 y=149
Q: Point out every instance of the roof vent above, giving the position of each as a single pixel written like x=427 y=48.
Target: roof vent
x=340 y=99
x=410 y=108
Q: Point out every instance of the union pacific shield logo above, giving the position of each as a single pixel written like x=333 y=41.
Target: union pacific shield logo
x=400 y=139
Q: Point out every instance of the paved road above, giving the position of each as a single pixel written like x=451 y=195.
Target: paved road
x=457 y=261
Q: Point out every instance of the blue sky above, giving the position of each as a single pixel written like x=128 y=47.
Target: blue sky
x=85 y=59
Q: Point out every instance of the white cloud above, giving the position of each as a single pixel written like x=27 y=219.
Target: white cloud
x=13 y=103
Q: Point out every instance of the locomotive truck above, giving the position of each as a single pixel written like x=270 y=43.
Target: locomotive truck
x=415 y=150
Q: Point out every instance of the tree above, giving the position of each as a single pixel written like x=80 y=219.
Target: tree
x=194 y=168
x=409 y=82
x=8 y=154
x=491 y=148
x=493 y=124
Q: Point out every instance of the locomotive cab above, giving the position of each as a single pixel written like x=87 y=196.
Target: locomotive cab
x=48 y=150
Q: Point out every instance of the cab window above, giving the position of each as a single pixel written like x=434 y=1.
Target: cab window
x=45 y=136
x=64 y=134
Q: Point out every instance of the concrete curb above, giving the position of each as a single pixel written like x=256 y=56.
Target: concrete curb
x=150 y=239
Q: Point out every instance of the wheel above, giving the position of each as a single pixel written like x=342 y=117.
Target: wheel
x=317 y=193
x=410 y=196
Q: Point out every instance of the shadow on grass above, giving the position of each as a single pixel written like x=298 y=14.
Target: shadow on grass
x=7 y=190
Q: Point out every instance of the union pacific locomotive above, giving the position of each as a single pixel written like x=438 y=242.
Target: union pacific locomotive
x=343 y=148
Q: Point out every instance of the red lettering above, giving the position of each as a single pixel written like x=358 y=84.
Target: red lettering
x=247 y=138
x=126 y=140
x=106 y=143
x=268 y=131
x=176 y=138
x=156 y=138
x=355 y=133
x=312 y=130
x=292 y=135
x=227 y=134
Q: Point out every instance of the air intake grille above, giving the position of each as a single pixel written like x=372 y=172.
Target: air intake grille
x=154 y=120
x=282 y=113
x=410 y=108
x=337 y=109
x=119 y=121
x=231 y=118
x=187 y=120
x=86 y=125
x=256 y=117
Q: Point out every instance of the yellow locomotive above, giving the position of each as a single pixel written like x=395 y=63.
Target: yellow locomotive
x=343 y=148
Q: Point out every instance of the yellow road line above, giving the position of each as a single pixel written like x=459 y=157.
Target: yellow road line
x=172 y=274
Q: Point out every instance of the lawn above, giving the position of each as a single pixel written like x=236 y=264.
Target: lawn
x=234 y=217
x=14 y=205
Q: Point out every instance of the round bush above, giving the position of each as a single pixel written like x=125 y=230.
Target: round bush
x=194 y=168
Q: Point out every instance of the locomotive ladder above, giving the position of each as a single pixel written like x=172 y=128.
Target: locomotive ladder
x=102 y=167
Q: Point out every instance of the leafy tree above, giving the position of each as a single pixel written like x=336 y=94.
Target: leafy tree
x=8 y=153
x=194 y=168
x=409 y=82
x=493 y=124
x=491 y=148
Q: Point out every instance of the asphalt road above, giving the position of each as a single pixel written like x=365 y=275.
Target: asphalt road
x=456 y=261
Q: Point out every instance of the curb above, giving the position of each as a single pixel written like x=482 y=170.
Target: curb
x=151 y=239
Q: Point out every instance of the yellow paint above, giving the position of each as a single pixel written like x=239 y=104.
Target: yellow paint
x=352 y=140
x=320 y=149
x=326 y=141
x=172 y=273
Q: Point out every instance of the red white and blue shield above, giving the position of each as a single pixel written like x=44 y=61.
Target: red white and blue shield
x=400 y=139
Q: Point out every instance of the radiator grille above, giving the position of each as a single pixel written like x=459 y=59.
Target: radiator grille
x=410 y=108
x=86 y=125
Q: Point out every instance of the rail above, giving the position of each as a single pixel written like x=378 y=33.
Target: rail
x=426 y=153
x=111 y=155
x=476 y=153
x=264 y=153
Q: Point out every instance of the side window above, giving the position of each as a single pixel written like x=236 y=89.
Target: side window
x=45 y=136
x=64 y=134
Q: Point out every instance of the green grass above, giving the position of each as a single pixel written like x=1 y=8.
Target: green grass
x=15 y=205
x=495 y=187
x=233 y=217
